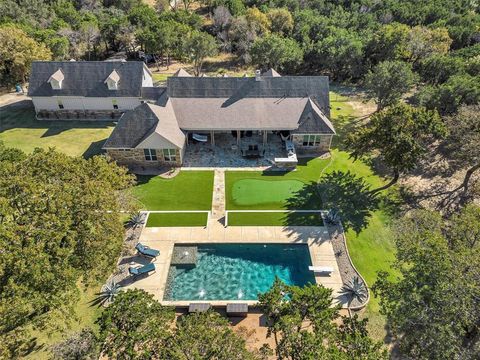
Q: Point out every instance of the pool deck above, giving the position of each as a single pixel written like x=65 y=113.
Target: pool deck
x=164 y=239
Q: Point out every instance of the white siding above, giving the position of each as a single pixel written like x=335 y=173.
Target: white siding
x=147 y=79
x=82 y=103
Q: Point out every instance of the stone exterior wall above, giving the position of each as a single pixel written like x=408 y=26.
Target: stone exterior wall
x=323 y=146
x=136 y=157
x=111 y=115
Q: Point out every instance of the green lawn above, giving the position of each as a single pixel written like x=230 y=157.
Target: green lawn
x=19 y=129
x=274 y=219
x=177 y=219
x=273 y=190
x=189 y=190
x=371 y=248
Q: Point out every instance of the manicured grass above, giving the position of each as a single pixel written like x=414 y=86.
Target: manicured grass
x=19 y=129
x=274 y=190
x=251 y=192
x=177 y=219
x=274 y=219
x=161 y=77
x=189 y=190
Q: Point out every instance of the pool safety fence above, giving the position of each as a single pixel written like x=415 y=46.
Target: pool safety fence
x=208 y=212
x=321 y=212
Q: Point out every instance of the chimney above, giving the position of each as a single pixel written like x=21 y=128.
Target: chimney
x=258 y=74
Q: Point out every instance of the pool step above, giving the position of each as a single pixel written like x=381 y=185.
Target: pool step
x=184 y=255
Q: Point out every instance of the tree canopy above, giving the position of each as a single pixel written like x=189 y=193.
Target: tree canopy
x=290 y=309
x=431 y=307
x=400 y=135
x=59 y=217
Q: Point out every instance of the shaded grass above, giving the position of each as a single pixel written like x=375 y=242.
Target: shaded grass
x=189 y=190
x=20 y=129
x=274 y=219
x=177 y=219
x=83 y=316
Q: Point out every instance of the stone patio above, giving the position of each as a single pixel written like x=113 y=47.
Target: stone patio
x=226 y=152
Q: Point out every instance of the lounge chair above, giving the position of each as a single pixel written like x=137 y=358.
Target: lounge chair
x=198 y=307
x=146 y=251
x=145 y=269
x=321 y=269
x=237 y=309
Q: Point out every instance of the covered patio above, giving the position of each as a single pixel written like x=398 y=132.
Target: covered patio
x=234 y=149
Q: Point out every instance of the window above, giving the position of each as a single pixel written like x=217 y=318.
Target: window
x=170 y=155
x=60 y=104
x=311 y=140
x=150 y=154
x=115 y=104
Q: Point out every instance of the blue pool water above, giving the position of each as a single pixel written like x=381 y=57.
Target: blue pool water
x=238 y=271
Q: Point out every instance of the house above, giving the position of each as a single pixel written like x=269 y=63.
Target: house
x=88 y=90
x=267 y=106
x=156 y=125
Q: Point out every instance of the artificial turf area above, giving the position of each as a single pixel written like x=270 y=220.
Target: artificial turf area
x=177 y=219
x=20 y=129
x=189 y=190
x=274 y=219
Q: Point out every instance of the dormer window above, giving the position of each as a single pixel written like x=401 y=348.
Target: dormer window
x=112 y=80
x=56 y=80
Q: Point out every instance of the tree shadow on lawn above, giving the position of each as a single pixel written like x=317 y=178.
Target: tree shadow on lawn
x=343 y=191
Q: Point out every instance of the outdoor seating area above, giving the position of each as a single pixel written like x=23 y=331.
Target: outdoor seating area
x=226 y=152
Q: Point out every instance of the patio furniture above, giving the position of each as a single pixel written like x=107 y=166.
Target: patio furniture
x=198 y=307
x=237 y=309
x=145 y=269
x=199 y=137
x=321 y=269
x=146 y=251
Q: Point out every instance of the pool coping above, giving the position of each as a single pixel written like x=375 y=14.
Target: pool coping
x=318 y=238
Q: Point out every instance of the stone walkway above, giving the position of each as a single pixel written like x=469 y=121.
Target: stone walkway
x=218 y=200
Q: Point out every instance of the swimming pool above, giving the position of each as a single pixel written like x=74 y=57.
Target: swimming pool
x=238 y=271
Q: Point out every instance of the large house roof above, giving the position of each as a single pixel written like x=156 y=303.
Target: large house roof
x=138 y=124
x=87 y=78
x=234 y=89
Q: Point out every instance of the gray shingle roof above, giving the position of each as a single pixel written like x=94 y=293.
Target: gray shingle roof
x=136 y=125
x=314 y=87
x=86 y=78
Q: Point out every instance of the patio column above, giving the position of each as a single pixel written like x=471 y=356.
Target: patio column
x=238 y=137
x=212 y=135
x=265 y=135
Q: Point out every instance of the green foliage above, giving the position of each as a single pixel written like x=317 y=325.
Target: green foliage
x=431 y=307
x=289 y=308
x=463 y=141
x=135 y=326
x=340 y=53
x=281 y=21
x=17 y=51
x=273 y=51
x=448 y=97
x=59 y=223
x=388 y=82
x=400 y=134
x=197 y=47
x=206 y=335
x=437 y=69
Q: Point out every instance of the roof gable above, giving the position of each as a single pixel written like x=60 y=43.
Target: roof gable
x=87 y=78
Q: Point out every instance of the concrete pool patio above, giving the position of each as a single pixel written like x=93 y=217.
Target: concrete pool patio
x=318 y=239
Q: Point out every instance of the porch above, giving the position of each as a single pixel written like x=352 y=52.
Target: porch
x=227 y=149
